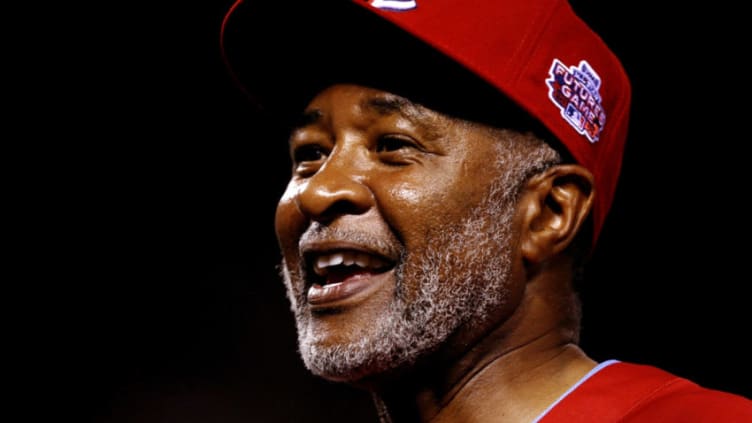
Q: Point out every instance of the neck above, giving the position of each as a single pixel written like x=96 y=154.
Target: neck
x=512 y=374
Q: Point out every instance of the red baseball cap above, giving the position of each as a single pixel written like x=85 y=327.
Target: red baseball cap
x=452 y=56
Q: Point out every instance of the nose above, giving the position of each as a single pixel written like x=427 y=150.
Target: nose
x=336 y=189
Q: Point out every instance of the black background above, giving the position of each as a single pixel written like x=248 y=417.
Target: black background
x=152 y=205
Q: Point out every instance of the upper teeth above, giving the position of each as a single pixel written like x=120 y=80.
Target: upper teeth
x=348 y=258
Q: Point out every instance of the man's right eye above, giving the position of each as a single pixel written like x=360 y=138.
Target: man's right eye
x=308 y=153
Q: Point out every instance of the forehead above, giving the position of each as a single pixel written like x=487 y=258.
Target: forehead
x=364 y=109
x=369 y=102
x=366 y=99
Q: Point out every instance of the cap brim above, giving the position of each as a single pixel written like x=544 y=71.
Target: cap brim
x=282 y=54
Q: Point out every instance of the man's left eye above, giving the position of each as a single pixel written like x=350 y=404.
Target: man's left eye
x=389 y=143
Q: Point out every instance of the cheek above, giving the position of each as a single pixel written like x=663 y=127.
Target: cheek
x=410 y=207
x=416 y=206
x=289 y=222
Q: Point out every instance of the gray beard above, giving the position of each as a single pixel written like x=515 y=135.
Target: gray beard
x=460 y=281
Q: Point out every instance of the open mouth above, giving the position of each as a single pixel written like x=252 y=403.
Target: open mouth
x=336 y=275
x=335 y=267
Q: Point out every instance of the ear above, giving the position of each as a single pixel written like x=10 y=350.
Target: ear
x=553 y=206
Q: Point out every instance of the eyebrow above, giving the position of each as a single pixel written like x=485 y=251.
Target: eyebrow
x=385 y=105
x=309 y=117
x=391 y=104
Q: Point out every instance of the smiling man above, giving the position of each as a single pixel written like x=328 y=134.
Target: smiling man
x=388 y=201
x=452 y=167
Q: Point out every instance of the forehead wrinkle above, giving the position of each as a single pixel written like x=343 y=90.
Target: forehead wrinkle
x=427 y=121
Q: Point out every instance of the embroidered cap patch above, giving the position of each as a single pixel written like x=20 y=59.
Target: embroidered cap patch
x=576 y=92
x=395 y=5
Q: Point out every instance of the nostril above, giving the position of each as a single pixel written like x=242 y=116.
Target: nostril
x=343 y=207
x=334 y=210
x=324 y=199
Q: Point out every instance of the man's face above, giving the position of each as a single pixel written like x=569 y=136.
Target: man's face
x=395 y=231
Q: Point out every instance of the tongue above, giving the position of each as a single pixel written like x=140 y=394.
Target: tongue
x=342 y=273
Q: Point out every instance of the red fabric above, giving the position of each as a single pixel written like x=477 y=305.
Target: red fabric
x=627 y=392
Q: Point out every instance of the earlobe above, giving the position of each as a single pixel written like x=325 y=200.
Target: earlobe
x=553 y=207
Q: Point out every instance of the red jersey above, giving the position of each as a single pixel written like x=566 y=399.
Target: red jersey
x=629 y=393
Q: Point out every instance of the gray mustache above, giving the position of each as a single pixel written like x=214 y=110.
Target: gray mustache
x=318 y=233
